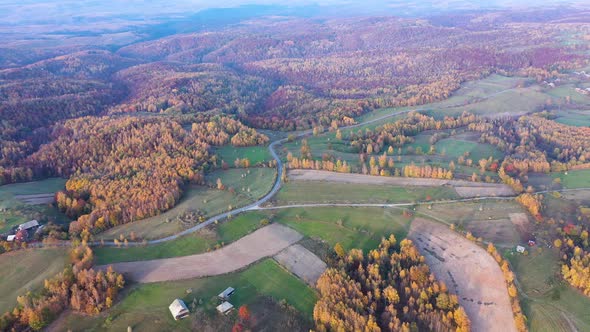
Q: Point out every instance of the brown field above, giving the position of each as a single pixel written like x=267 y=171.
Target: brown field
x=499 y=231
x=36 y=199
x=265 y=242
x=469 y=272
x=523 y=225
x=463 y=188
x=302 y=263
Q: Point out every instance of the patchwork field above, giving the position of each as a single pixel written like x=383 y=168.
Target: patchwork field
x=249 y=185
x=26 y=270
x=265 y=242
x=199 y=242
x=145 y=306
x=465 y=268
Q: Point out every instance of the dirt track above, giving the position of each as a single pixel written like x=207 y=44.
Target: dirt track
x=463 y=188
x=468 y=271
x=265 y=242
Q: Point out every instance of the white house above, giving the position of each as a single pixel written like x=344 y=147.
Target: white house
x=10 y=238
x=28 y=225
x=520 y=249
x=225 y=307
x=178 y=309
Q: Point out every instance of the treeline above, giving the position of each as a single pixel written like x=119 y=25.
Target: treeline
x=575 y=251
x=77 y=287
x=390 y=288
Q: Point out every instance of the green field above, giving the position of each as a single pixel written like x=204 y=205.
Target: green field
x=574 y=179
x=296 y=192
x=145 y=307
x=196 y=243
x=352 y=227
x=212 y=201
x=549 y=303
x=256 y=154
x=26 y=270
x=453 y=148
x=14 y=211
x=574 y=118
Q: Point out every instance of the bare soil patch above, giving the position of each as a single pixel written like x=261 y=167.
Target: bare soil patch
x=463 y=188
x=523 y=225
x=36 y=199
x=499 y=231
x=302 y=262
x=265 y=242
x=469 y=272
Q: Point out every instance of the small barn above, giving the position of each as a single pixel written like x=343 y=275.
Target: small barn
x=226 y=293
x=28 y=225
x=225 y=308
x=178 y=309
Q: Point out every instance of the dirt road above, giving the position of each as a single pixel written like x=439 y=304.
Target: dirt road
x=265 y=242
x=469 y=272
x=462 y=187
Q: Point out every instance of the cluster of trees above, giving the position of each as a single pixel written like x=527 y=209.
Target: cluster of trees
x=78 y=287
x=325 y=165
x=122 y=169
x=390 y=288
x=532 y=203
x=221 y=130
x=519 y=317
x=575 y=251
x=398 y=133
x=427 y=171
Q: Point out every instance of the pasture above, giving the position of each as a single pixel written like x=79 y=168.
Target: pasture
x=26 y=270
x=145 y=306
x=351 y=227
x=574 y=118
x=256 y=154
x=574 y=178
x=248 y=185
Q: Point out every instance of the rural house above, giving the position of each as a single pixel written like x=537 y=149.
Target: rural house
x=178 y=309
x=226 y=293
x=225 y=308
x=28 y=225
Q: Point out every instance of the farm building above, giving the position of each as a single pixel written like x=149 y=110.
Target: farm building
x=520 y=249
x=225 y=307
x=226 y=293
x=28 y=225
x=10 y=238
x=178 y=309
